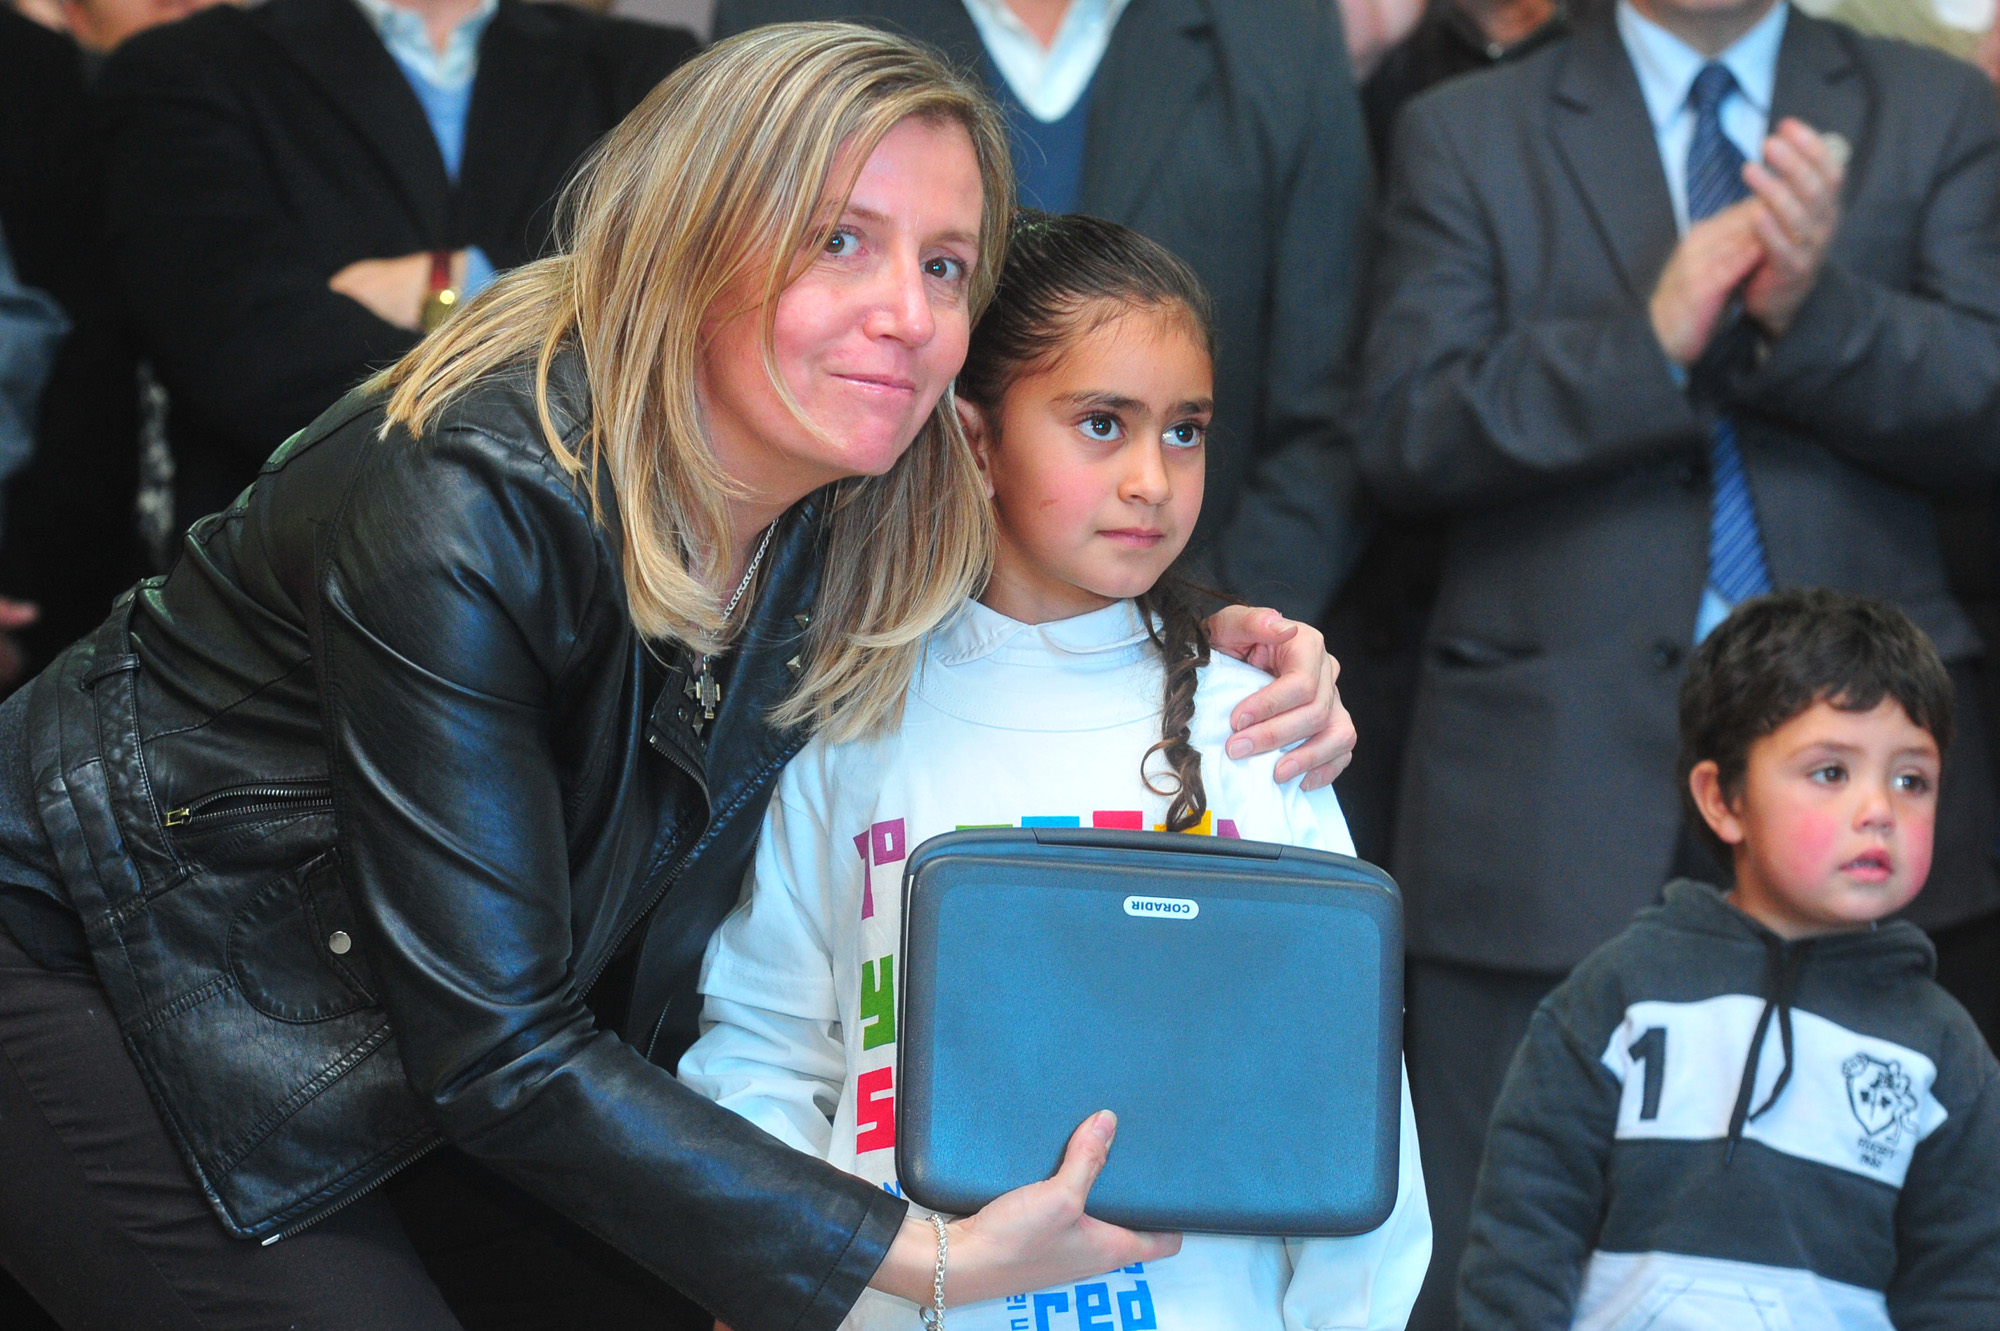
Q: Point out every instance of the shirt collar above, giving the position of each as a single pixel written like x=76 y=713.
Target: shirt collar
x=977 y=632
x=1667 y=66
x=1049 y=81
x=1082 y=17
x=402 y=31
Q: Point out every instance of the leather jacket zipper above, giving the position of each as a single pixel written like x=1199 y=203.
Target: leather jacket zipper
x=352 y=1197
x=672 y=872
x=666 y=881
x=241 y=802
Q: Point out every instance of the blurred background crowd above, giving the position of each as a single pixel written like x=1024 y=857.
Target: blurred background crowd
x=1446 y=241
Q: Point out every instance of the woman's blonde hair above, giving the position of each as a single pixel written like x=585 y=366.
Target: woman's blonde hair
x=723 y=179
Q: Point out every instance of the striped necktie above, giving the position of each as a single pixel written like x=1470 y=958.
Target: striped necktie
x=1736 y=565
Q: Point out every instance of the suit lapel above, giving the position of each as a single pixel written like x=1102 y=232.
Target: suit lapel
x=1605 y=140
x=517 y=110
x=336 y=49
x=1817 y=83
x=1132 y=122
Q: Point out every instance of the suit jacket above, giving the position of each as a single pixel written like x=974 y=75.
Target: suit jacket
x=1231 y=134
x=1515 y=384
x=256 y=152
x=71 y=539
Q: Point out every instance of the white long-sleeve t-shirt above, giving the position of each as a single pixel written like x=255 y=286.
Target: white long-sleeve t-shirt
x=1007 y=724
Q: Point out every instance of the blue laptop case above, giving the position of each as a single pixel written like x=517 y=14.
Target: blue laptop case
x=1238 y=1004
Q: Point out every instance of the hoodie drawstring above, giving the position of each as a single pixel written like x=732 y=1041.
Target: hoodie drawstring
x=1782 y=964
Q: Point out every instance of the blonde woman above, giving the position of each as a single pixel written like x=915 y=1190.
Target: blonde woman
x=340 y=842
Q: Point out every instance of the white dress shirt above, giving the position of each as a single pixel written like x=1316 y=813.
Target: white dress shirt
x=1047 y=80
x=1667 y=66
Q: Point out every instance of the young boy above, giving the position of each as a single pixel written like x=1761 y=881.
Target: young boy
x=1756 y=1109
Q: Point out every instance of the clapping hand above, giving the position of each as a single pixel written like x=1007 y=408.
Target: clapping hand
x=1767 y=250
x=1717 y=256
x=1797 y=186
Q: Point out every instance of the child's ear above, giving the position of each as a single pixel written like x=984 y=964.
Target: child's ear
x=1705 y=784
x=973 y=421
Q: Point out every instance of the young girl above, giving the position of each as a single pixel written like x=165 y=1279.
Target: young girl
x=1077 y=690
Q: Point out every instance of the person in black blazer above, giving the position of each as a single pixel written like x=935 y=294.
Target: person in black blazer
x=256 y=154
x=1533 y=314
x=1231 y=134
x=71 y=539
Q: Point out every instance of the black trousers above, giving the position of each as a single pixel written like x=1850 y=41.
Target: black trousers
x=1461 y=1025
x=103 y=1226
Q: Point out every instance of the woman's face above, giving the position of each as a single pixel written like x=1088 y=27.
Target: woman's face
x=867 y=337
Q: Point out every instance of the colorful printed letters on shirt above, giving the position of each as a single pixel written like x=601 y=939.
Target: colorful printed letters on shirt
x=1093 y=1303
x=878 y=1003
x=884 y=843
x=875 y=1110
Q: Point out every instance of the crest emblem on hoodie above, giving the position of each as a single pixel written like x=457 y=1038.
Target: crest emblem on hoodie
x=1884 y=1103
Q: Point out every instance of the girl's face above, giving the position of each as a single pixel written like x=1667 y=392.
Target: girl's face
x=867 y=338
x=1095 y=466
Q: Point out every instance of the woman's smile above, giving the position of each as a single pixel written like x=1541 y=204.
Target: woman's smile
x=886 y=385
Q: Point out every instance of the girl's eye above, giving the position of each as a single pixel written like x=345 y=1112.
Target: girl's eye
x=1102 y=427
x=945 y=269
x=1187 y=434
x=1830 y=775
x=1912 y=783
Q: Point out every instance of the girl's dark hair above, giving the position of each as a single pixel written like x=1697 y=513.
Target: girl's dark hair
x=1777 y=655
x=1064 y=276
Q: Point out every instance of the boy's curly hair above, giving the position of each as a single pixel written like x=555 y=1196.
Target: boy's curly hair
x=1777 y=655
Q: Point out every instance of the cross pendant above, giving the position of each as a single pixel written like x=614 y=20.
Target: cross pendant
x=706 y=694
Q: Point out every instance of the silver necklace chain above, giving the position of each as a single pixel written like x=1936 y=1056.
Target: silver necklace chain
x=749 y=573
x=701 y=685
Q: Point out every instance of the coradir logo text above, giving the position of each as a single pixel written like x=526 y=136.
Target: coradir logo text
x=1162 y=908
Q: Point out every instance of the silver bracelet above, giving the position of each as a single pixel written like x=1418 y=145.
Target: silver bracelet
x=933 y=1316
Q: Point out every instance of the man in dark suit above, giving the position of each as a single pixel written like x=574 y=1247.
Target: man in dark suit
x=1645 y=381
x=1376 y=626
x=290 y=185
x=1231 y=134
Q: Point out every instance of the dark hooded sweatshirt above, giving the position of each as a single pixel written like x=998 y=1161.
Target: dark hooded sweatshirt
x=1707 y=1126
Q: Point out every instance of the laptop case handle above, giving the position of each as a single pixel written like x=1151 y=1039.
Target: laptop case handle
x=1107 y=838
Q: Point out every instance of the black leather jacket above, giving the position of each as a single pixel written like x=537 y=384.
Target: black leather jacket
x=357 y=804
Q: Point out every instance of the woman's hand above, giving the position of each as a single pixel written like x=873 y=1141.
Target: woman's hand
x=1030 y=1238
x=1302 y=703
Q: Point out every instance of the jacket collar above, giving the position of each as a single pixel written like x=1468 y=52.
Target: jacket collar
x=1604 y=136
x=523 y=67
x=1700 y=908
x=1125 y=108
x=526 y=73
x=1818 y=82
x=1125 y=100
x=333 y=46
